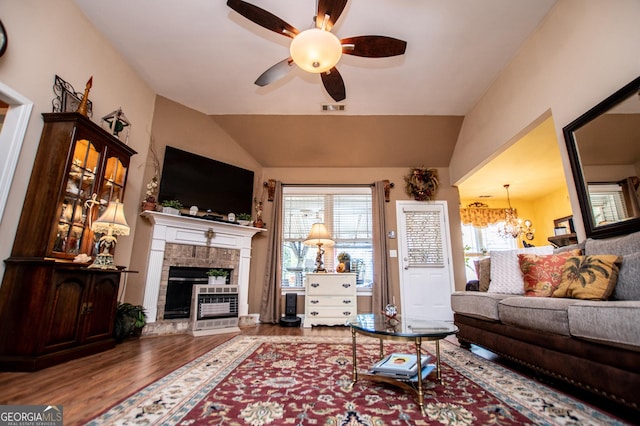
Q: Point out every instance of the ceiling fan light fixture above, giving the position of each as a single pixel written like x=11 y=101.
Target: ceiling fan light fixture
x=316 y=50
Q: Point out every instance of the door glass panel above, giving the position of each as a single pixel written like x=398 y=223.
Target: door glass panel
x=80 y=186
x=424 y=239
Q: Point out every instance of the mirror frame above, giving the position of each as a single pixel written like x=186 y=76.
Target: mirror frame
x=613 y=229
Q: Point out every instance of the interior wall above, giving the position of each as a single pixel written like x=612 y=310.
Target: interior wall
x=554 y=205
x=48 y=38
x=580 y=54
x=190 y=130
x=360 y=176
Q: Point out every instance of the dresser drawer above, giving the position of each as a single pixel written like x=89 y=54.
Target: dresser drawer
x=334 y=284
x=330 y=301
x=330 y=312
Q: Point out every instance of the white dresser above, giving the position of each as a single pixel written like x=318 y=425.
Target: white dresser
x=330 y=299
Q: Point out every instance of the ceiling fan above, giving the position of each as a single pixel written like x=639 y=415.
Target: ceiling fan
x=317 y=50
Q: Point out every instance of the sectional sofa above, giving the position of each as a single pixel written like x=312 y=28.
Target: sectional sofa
x=592 y=344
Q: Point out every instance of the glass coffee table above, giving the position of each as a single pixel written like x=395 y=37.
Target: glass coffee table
x=401 y=329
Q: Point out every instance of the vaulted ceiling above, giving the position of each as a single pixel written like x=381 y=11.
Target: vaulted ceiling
x=401 y=111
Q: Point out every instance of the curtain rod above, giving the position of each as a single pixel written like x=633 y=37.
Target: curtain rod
x=271 y=185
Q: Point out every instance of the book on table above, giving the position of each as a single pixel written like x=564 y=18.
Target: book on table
x=400 y=365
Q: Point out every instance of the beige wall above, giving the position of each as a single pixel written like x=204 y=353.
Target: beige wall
x=53 y=37
x=582 y=52
x=192 y=131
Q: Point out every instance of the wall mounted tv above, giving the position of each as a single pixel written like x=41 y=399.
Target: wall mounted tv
x=199 y=181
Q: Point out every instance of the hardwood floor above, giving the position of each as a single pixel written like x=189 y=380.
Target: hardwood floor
x=88 y=386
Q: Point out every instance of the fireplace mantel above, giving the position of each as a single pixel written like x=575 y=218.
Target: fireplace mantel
x=193 y=231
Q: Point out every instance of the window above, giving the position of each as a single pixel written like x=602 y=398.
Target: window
x=607 y=202
x=479 y=241
x=346 y=212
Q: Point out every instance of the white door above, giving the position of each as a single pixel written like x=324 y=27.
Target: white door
x=426 y=274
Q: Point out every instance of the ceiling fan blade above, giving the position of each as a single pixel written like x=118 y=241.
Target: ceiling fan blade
x=334 y=84
x=276 y=72
x=373 y=46
x=263 y=18
x=333 y=8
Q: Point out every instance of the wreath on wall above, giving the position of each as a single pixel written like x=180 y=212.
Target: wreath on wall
x=422 y=183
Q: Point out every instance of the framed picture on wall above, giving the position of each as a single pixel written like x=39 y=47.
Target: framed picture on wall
x=563 y=225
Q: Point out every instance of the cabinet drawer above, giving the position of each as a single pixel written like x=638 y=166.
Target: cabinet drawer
x=331 y=312
x=331 y=285
x=330 y=301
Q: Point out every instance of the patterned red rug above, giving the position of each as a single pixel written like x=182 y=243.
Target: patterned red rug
x=285 y=380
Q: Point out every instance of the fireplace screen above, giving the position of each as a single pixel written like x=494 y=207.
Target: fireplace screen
x=180 y=287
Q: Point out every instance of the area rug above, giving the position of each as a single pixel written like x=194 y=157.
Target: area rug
x=286 y=380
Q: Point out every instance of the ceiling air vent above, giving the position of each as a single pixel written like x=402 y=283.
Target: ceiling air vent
x=333 y=107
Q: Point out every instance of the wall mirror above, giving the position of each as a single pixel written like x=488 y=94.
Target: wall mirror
x=604 y=149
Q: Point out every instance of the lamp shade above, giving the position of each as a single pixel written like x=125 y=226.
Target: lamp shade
x=315 y=50
x=112 y=219
x=318 y=235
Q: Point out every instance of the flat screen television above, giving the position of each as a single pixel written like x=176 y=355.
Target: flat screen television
x=210 y=185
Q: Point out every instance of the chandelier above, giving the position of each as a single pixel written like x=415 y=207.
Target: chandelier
x=512 y=224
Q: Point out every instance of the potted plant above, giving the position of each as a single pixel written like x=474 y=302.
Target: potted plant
x=244 y=219
x=171 y=206
x=344 y=260
x=217 y=276
x=130 y=319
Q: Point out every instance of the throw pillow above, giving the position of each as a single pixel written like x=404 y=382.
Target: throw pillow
x=484 y=273
x=589 y=277
x=506 y=276
x=542 y=273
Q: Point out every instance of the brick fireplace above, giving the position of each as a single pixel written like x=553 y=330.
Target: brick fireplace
x=183 y=241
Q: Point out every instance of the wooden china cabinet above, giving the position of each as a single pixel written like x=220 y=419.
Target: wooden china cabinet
x=53 y=309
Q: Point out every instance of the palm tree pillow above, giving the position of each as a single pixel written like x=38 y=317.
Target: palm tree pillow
x=589 y=277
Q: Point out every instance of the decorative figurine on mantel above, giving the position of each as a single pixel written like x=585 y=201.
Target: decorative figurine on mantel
x=258 y=223
x=82 y=107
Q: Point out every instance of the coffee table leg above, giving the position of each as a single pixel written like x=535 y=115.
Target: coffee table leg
x=438 y=372
x=353 y=353
x=420 y=394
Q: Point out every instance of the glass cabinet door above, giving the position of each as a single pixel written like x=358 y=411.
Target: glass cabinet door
x=72 y=229
x=112 y=188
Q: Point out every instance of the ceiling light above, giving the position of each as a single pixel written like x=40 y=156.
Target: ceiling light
x=316 y=50
x=512 y=224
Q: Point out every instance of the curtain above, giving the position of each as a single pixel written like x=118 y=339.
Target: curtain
x=631 y=192
x=270 y=311
x=482 y=216
x=381 y=290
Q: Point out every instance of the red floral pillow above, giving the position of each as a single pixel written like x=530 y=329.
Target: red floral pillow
x=542 y=274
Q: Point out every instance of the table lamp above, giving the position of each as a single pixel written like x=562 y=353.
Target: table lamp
x=111 y=223
x=319 y=236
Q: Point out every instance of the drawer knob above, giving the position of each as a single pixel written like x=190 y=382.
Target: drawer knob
x=314 y=313
x=346 y=313
x=346 y=301
x=315 y=285
x=314 y=301
x=346 y=285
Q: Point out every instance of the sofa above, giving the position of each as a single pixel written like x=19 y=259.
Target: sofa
x=554 y=326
